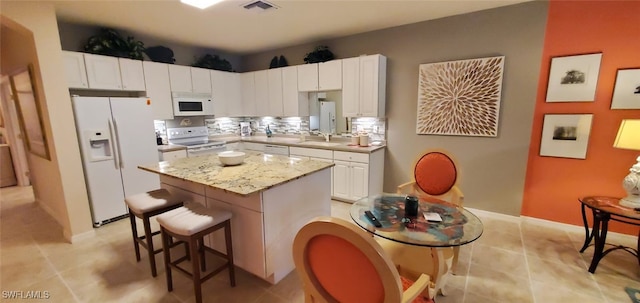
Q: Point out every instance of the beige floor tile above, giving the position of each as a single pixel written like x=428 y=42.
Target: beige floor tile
x=102 y=268
x=551 y=292
x=563 y=275
x=20 y=273
x=507 y=240
x=502 y=286
x=475 y=298
x=289 y=288
x=555 y=247
x=500 y=259
x=269 y=297
x=51 y=289
x=454 y=295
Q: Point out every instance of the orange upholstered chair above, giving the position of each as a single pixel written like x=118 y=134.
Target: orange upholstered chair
x=339 y=262
x=435 y=174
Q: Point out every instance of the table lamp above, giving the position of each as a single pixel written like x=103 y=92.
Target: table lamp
x=629 y=138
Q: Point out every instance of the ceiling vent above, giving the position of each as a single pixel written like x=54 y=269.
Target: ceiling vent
x=259 y=5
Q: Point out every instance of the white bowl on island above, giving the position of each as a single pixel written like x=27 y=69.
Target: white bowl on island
x=231 y=157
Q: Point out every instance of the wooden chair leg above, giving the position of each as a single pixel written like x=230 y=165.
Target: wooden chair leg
x=203 y=263
x=166 y=249
x=195 y=267
x=150 y=249
x=134 y=232
x=227 y=239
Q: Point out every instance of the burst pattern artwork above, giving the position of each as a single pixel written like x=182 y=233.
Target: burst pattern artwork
x=460 y=97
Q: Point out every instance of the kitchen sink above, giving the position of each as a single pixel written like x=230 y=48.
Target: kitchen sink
x=320 y=143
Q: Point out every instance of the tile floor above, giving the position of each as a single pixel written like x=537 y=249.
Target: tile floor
x=511 y=262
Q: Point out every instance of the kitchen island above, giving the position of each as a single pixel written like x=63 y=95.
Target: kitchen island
x=271 y=197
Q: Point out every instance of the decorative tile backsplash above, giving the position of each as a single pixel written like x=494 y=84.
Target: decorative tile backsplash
x=283 y=126
x=375 y=127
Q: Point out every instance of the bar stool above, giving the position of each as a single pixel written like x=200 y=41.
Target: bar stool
x=190 y=224
x=145 y=206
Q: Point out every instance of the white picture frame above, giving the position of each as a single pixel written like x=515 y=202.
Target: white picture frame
x=460 y=98
x=565 y=135
x=626 y=93
x=573 y=78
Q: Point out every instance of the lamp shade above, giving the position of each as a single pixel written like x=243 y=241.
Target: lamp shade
x=628 y=135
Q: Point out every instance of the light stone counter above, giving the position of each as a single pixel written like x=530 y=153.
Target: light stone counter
x=258 y=172
x=170 y=147
x=341 y=144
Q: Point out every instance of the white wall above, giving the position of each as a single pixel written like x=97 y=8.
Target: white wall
x=58 y=183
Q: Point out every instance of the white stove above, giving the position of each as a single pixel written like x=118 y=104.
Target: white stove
x=196 y=139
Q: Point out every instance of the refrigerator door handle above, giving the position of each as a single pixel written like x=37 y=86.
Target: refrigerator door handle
x=116 y=157
x=115 y=127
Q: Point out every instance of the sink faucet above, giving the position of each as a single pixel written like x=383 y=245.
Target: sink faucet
x=327 y=136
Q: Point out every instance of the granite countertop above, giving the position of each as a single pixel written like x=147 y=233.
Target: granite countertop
x=170 y=147
x=339 y=145
x=259 y=172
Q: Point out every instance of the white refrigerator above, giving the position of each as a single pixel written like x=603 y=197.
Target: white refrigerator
x=115 y=136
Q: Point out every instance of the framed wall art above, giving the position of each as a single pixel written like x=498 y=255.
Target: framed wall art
x=460 y=97
x=626 y=94
x=573 y=78
x=29 y=112
x=565 y=136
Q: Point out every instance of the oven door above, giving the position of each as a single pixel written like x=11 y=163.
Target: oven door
x=205 y=150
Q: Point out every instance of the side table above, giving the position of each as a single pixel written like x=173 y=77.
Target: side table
x=604 y=209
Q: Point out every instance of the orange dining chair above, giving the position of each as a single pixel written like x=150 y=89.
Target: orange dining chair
x=435 y=175
x=338 y=261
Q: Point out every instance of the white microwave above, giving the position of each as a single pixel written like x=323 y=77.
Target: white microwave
x=192 y=104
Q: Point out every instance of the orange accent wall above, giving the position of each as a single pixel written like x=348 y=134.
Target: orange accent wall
x=553 y=185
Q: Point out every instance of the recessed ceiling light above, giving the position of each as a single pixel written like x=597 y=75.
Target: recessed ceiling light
x=201 y=4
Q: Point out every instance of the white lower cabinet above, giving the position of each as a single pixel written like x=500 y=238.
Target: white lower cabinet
x=246 y=237
x=172 y=155
x=357 y=175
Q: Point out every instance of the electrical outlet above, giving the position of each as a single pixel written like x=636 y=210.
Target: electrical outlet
x=375 y=129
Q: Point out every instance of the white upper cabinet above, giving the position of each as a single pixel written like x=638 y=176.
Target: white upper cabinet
x=261 y=95
x=201 y=80
x=308 y=77
x=180 y=77
x=248 y=94
x=294 y=103
x=132 y=74
x=103 y=72
x=320 y=76
x=364 y=86
x=156 y=78
x=88 y=71
x=190 y=79
x=226 y=93
x=330 y=75
x=274 y=79
x=75 y=70
x=234 y=94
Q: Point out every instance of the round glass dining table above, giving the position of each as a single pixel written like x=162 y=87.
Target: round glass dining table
x=457 y=226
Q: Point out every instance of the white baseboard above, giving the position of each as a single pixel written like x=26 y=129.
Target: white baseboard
x=548 y=223
x=85 y=235
x=494 y=215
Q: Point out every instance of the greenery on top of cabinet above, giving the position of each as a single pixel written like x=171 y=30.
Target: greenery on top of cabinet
x=213 y=62
x=109 y=42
